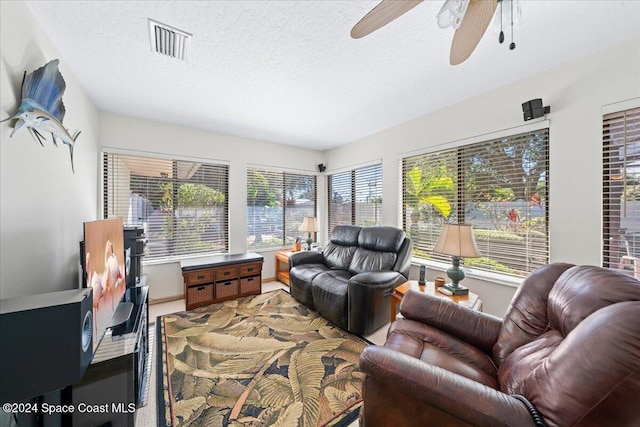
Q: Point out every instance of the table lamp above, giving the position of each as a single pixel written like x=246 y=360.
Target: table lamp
x=456 y=240
x=309 y=225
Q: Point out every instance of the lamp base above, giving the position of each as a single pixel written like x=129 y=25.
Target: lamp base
x=456 y=274
x=456 y=290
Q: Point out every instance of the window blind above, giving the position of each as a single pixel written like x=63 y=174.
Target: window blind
x=277 y=202
x=621 y=191
x=355 y=197
x=499 y=186
x=183 y=205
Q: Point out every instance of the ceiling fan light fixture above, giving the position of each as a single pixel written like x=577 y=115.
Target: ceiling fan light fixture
x=509 y=13
x=452 y=13
x=503 y=15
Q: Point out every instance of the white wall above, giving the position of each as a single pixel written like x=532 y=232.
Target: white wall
x=576 y=93
x=42 y=203
x=128 y=133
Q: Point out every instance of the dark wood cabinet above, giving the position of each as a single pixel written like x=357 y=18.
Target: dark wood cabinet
x=221 y=277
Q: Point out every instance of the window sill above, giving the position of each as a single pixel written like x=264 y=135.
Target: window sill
x=497 y=278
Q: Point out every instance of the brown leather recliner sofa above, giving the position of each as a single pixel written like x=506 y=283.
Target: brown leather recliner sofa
x=566 y=353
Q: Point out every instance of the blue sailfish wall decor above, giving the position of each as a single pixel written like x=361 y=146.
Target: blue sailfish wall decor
x=41 y=110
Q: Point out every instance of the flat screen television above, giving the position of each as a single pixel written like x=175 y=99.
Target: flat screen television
x=104 y=270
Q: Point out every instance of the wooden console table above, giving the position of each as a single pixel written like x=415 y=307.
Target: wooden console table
x=222 y=277
x=471 y=301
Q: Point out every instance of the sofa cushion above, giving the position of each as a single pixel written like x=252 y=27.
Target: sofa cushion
x=345 y=235
x=301 y=278
x=526 y=318
x=591 y=374
x=342 y=244
x=583 y=290
x=586 y=305
x=337 y=256
x=370 y=260
x=329 y=290
x=534 y=354
x=307 y=272
x=381 y=238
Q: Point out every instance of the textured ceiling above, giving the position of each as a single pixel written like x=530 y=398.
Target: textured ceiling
x=289 y=72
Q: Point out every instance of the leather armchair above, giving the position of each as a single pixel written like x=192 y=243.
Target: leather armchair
x=350 y=283
x=566 y=353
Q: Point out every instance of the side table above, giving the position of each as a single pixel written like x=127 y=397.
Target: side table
x=282 y=272
x=471 y=300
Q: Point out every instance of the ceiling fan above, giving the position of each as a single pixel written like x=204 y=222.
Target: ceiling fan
x=469 y=18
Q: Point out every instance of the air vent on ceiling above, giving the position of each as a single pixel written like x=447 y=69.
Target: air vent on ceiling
x=169 y=41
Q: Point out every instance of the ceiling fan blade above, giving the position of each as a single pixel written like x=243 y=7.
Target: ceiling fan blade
x=385 y=12
x=473 y=26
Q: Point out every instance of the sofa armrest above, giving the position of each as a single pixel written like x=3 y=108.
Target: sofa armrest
x=306 y=257
x=369 y=295
x=393 y=279
x=471 y=402
x=476 y=328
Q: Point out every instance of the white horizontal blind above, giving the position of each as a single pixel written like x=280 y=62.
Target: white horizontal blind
x=621 y=191
x=499 y=186
x=368 y=191
x=355 y=197
x=340 y=195
x=277 y=202
x=183 y=205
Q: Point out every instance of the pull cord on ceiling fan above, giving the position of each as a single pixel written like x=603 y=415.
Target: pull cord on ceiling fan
x=469 y=19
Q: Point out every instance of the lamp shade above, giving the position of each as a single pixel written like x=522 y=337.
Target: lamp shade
x=309 y=224
x=457 y=240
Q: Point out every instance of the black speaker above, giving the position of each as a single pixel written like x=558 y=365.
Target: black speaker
x=534 y=109
x=47 y=342
x=134 y=242
x=322 y=167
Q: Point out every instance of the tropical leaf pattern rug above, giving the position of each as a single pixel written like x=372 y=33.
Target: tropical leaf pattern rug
x=257 y=361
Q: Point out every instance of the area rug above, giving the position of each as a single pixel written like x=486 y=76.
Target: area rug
x=264 y=360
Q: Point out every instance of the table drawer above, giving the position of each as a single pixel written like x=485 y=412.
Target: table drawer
x=227 y=288
x=250 y=269
x=201 y=276
x=250 y=284
x=225 y=273
x=198 y=294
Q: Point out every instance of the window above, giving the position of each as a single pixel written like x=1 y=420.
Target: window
x=621 y=191
x=183 y=205
x=499 y=186
x=355 y=197
x=277 y=202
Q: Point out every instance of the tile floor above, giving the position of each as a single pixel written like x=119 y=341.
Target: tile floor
x=147 y=416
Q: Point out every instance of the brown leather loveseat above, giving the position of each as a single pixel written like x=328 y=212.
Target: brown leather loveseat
x=568 y=348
